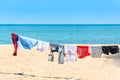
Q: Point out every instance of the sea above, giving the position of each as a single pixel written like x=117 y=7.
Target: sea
x=63 y=33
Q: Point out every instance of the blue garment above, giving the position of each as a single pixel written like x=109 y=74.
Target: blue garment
x=26 y=42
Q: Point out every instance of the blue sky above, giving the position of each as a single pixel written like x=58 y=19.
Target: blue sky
x=59 y=11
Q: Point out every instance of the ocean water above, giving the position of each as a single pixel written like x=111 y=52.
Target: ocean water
x=64 y=33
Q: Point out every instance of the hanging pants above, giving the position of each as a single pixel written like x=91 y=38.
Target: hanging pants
x=59 y=49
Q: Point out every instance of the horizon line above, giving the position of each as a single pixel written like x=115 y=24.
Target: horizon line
x=57 y=24
x=60 y=24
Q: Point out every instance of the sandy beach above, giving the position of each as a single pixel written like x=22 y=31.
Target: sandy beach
x=34 y=65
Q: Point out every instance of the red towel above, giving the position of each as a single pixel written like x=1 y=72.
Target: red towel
x=82 y=51
x=14 y=40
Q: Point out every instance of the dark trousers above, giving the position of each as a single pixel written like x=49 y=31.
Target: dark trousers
x=110 y=49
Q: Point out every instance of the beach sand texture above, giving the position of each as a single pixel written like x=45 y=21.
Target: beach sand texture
x=34 y=65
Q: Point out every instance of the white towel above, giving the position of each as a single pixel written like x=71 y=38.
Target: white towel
x=42 y=46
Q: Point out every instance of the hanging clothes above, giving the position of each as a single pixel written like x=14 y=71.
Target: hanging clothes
x=41 y=46
x=59 y=49
x=22 y=42
x=70 y=52
x=26 y=42
x=95 y=51
x=110 y=49
x=14 y=40
x=82 y=51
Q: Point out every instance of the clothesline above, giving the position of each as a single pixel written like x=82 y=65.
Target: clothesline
x=71 y=52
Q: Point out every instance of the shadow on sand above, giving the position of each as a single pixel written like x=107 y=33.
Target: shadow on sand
x=20 y=74
x=114 y=57
x=47 y=77
x=66 y=78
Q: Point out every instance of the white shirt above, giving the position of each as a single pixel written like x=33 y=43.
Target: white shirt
x=70 y=52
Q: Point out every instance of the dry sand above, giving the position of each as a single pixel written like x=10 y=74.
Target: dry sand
x=34 y=65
